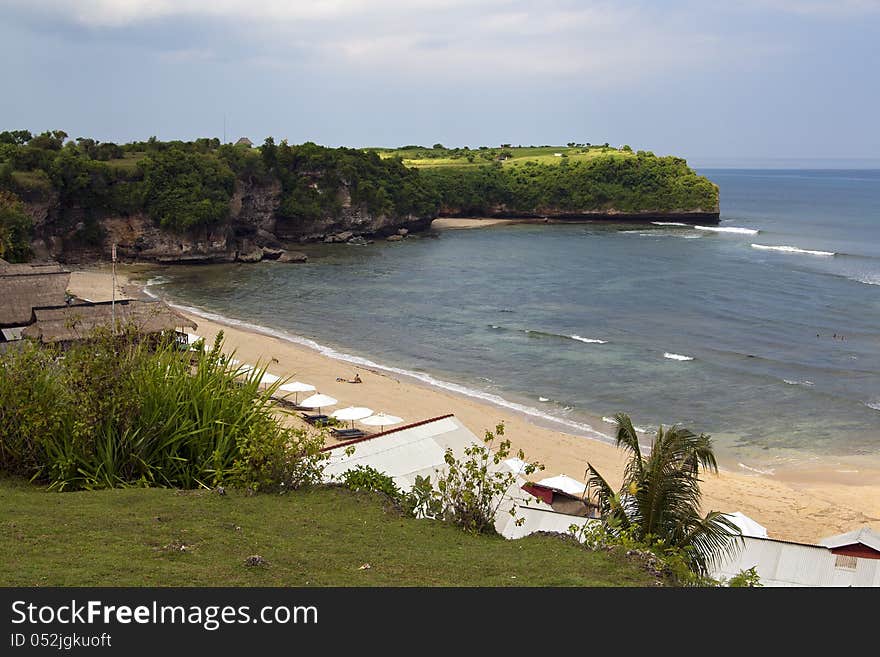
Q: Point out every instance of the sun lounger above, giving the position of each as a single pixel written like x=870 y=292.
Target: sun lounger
x=314 y=419
x=347 y=433
x=288 y=403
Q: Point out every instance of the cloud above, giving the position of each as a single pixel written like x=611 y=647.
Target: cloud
x=599 y=42
x=117 y=13
x=822 y=8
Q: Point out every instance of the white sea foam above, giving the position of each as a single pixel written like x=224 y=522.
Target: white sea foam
x=672 y=356
x=611 y=420
x=868 y=279
x=154 y=281
x=667 y=223
x=588 y=340
x=578 y=428
x=874 y=404
x=729 y=229
x=691 y=237
x=792 y=249
x=798 y=383
x=543 y=399
x=756 y=470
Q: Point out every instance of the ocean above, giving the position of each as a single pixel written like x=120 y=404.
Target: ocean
x=763 y=332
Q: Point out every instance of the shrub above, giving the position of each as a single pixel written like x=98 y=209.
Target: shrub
x=115 y=411
x=471 y=490
x=364 y=477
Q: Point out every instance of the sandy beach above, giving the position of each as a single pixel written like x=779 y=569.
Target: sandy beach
x=797 y=505
x=456 y=223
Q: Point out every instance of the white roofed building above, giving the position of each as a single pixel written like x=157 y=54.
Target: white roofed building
x=419 y=450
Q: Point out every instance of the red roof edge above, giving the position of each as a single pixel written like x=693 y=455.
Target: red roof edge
x=354 y=441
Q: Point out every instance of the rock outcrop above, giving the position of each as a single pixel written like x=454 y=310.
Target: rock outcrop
x=253 y=231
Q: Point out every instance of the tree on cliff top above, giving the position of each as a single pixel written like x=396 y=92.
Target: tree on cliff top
x=185 y=190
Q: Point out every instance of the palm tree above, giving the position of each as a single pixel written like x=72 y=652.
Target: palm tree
x=659 y=499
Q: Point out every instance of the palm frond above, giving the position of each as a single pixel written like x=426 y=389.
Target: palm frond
x=626 y=437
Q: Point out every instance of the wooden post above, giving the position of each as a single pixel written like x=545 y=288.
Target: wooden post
x=113 y=297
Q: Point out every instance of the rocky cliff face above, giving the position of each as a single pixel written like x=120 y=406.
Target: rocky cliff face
x=501 y=211
x=252 y=232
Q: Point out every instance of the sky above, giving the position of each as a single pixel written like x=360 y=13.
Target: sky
x=745 y=82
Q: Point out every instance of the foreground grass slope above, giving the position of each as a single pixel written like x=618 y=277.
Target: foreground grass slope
x=318 y=537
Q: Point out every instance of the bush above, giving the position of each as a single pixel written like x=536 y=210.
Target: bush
x=115 y=412
x=364 y=477
x=471 y=490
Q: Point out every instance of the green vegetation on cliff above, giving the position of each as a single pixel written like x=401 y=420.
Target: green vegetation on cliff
x=573 y=179
x=181 y=186
x=15 y=228
x=311 y=176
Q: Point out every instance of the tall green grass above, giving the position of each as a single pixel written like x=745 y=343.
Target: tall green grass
x=118 y=411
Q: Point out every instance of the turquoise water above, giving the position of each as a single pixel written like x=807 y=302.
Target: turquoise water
x=667 y=323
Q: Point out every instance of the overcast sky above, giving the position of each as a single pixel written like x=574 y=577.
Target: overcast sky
x=753 y=80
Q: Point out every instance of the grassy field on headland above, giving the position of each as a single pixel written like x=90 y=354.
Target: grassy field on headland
x=424 y=157
x=317 y=537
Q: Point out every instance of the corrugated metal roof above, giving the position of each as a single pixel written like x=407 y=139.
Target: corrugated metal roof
x=864 y=535
x=779 y=563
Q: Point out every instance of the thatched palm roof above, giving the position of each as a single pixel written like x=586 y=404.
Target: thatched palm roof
x=23 y=287
x=79 y=321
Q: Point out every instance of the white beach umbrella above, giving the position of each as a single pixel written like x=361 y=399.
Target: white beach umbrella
x=746 y=525
x=317 y=401
x=268 y=379
x=296 y=387
x=564 y=483
x=518 y=466
x=381 y=420
x=352 y=413
x=192 y=338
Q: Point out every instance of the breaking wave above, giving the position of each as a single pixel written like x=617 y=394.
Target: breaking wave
x=588 y=340
x=672 y=356
x=756 y=470
x=667 y=223
x=729 y=229
x=798 y=383
x=792 y=249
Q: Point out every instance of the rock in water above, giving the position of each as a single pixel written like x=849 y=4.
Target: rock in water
x=293 y=256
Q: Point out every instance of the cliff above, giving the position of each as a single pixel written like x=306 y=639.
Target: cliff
x=252 y=231
x=202 y=201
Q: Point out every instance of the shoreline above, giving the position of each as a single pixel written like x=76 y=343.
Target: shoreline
x=803 y=505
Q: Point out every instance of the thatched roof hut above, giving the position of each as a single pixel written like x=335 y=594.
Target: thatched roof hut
x=66 y=324
x=24 y=287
